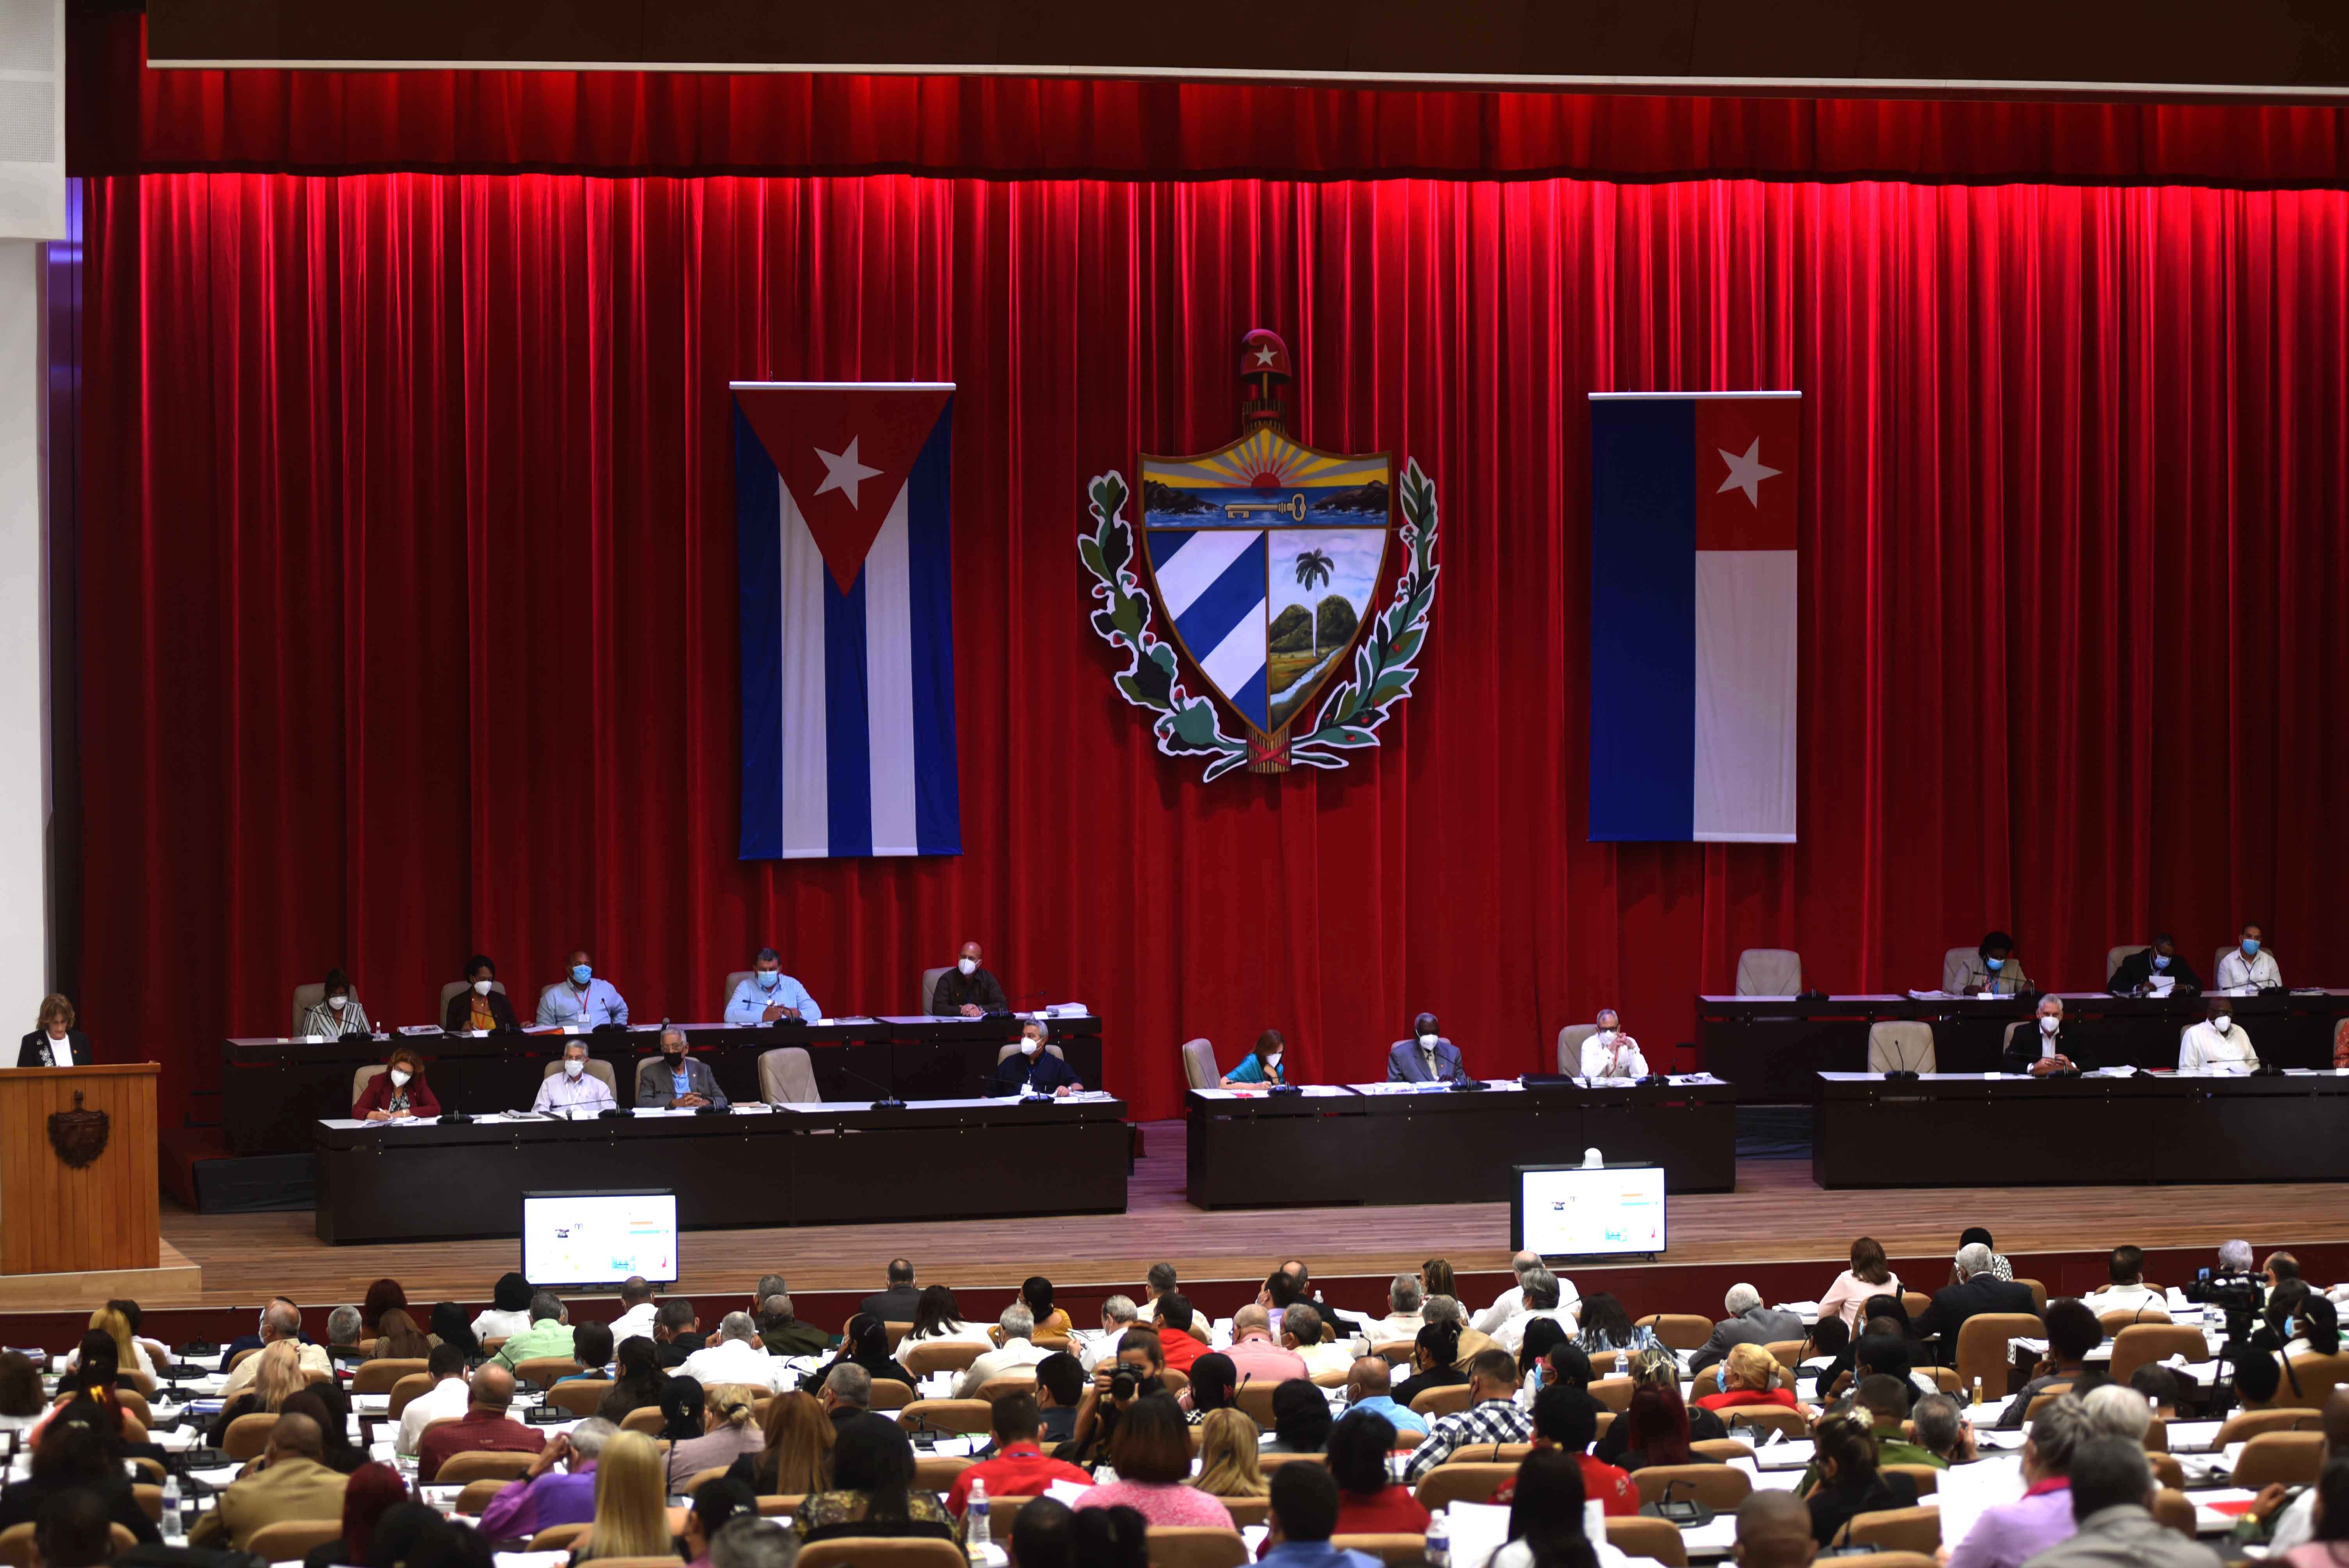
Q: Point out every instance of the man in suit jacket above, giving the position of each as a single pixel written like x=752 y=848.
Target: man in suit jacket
x=54 y=1034
x=2139 y=970
x=895 y=1304
x=658 y=1082
x=1035 y=1070
x=2043 y=1045
x=292 y=1482
x=1426 y=1058
x=1978 y=1290
x=1748 y=1323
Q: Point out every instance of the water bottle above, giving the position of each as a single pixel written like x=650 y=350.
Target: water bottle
x=1439 y=1540
x=171 y=1526
x=975 y=1520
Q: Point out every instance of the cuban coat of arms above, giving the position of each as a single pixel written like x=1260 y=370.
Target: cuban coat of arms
x=1255 y=579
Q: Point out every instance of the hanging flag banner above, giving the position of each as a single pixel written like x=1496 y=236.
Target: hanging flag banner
x=845 y=550
x=1693 y=621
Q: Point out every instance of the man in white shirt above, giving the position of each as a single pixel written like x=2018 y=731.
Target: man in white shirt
x=1611 y=1052
x=2128 y=1292
x=1162 y=1282
x=637 y=1321
x=446 y=1400
x=1301 y=1330
x=1117 y=1314
x=2217 y=1042
x=280 y=1321
x=1019 y=1349
x=1512 y=1301
x=1540 y=1300
x=574 y=1091
x=734 y=1356
x=2248 y=965
x=1405 y=1296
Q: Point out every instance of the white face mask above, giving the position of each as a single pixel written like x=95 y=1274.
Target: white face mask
x=481 y=987
x=573 y=1070
x=1606 y=1037
x=968 y=965
x=1273 y=1060
x=337 y=1003
x=399 y=1077
x=1427 y=1042
x=1028 y=1046
x=2049 y=1022
x=2222 y=1023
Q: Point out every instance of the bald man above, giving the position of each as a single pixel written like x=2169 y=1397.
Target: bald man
x=1774 y=1531
x=967 y=990
x=2295 y=1524
x=291 y=1482
x=485 y=1429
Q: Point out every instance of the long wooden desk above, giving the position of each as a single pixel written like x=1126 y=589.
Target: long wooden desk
x=1771 y=1047
x=793 y=1165
x=273 y=1092
x=1958 y=1129
x=1366 y=1144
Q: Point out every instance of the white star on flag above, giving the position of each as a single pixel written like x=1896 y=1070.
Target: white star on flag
x=1745 y=473
x=1263 y=353
x=844 y=474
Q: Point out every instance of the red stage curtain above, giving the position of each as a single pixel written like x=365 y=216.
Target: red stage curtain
x=409 y=623
x=126 y=119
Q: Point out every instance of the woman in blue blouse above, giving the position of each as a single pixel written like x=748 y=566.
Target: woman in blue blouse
x=1262 y=1066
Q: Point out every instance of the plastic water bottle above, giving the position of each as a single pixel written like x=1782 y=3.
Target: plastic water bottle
x=1439 y=1540
x=173 y=1529
x=975 y=1520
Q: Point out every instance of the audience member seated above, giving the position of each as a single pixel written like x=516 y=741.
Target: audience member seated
x=280 y=1321
x=398 y=1338
x=1433 y=1357
x=1051 y=1323
x=1403 y=1318
x=865 y=1345
x=1670 y=1421
x=631 y=1503
x=591 y=1346
x=1849 y=1483
x=1829 y=1342
x=1566 y=1418
x=1303 y=1516
x=1177 y=1340
x=747 y=1541
x=277 y=1377
x=872 y=1491
x=2073 y=1332
x=727 y=1433
x=734 y=1356
x=75 y=1453
x=781 y=1332
x=937 y=1316
x=1300 y=1418
x=1303 y=1330
x=1019 y=1349
x=1368 y=1503
x=1510 y=1301
x=1979 y=1290
x=1018 y=1465
x=1539 y=1303
x=1750 y=1377
x=21 y=1404
x=481 y=1006
x=2009 y=1534
x=1253 y=1352
x=1368 y=1391
x=2112 y=1497
x=398 y=1093
x=445 y=1400
x=291 y=1480
x=847 y=1393
x=1605 y=1325
x=131 y=1353
x=795 y=1455
x=1774 y=1531
x=1227 y=1456
x=2128 y=1291
x=1213 y=1382
x=2217 y=1042
x=419 y=1535
x=1493 y=1416
x=549 y=1332
x=330 y=1407
x=1060 y=1386
x=899 y=1303
x=1867 y=1275
x=1748 y=1323
x=544 y=1496
x=1946 y=1432
x=484 y=1429
x=1885 y=1402
x=371 y=1491
x=1548 y=1523
x=638 y=1383
x=344 y=1345
x=716 y=1504
x=508 y=1313
x=1150 y=1449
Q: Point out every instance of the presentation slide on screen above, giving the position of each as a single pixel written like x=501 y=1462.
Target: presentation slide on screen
x=592 y=1239
x=1588 y=1212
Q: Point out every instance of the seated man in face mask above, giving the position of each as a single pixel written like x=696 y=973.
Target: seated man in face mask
x=1033 y=1069
x=677 y=1081
x=2041 y=1047
x=2216 y=1042
x=1611 y=1052
x=769 y=995
x=574 y=1091
x=968 y=990
x=1426 y=1058
x=2141 y=974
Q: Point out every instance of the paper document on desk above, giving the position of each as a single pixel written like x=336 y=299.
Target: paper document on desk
x=1967 y=1491
x=1478 y=1530
x=1929 y=995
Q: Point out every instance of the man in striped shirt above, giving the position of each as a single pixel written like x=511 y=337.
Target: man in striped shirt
x=1493 y=1416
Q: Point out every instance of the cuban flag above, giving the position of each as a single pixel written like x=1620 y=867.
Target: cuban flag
x=846 y=556
x=1693 y=615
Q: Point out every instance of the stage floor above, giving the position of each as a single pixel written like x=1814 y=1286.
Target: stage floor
x=1776 y=1214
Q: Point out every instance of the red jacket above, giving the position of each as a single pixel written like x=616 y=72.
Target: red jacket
x=376 y=1096
x=1020 y=1471
x=1390 y=1511
x=1611 y=1486
x=1181 y=1349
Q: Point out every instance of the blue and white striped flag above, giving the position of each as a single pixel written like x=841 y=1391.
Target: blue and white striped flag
x=846 y=553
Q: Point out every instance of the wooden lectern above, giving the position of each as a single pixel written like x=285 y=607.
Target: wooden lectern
x=77 y=1193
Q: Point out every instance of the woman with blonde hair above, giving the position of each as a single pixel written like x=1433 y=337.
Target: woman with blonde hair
x=130 y=1356
x=797 y=1460
x=277 y=1377
x=53 y=1042
x=631 y=1503
x=1750 y=1377
x=1227 y=1456
x=728 y=1431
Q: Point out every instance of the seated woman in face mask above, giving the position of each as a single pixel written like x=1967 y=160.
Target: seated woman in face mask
x=338 y=1012
x=1261 y=1065
x=397 y=1093
x=479 y=1005
x=1032 y=1069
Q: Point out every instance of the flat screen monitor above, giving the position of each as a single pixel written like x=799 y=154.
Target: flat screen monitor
x=570 y=1239
x=1571 y=1210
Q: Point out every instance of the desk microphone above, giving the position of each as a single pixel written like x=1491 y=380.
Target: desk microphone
x=1011 y=1007
x=450 y=1116
x=888 y=1101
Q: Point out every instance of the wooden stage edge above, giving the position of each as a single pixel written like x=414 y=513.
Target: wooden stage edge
x=1775 y=1215
x=175 y=1281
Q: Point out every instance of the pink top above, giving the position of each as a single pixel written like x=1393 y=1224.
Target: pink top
x=1161 y=1502
x=1257 y=1359
x=1849 y=1297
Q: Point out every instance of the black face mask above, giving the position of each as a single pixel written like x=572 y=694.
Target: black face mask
x=675 y=1059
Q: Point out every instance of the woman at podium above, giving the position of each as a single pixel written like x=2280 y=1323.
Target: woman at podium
x=55 y=1042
